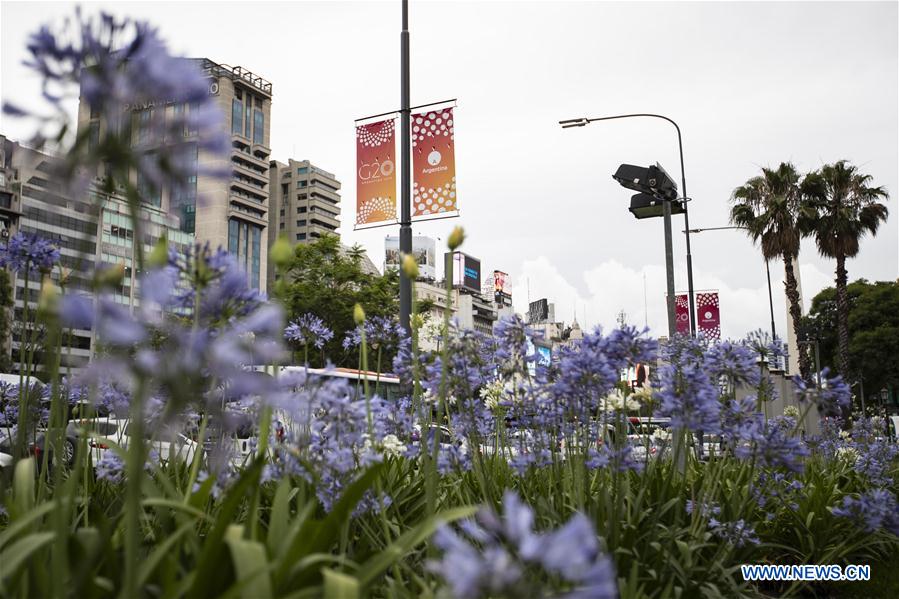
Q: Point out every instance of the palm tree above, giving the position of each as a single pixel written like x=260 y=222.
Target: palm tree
x=845 y=208
x=769 y=208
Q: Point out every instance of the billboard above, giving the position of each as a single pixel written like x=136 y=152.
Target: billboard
x=433 y=163
x=424 y=249
x=466 y=272
x=708 y=313
x=538 y=311
x=500 y=282
x=376 y=172
x=682 y=314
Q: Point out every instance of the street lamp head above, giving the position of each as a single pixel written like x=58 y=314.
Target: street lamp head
x=573 y=123
x=644 y=205
x=653 y=180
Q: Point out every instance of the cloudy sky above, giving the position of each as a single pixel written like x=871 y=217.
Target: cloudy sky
x=751 y=85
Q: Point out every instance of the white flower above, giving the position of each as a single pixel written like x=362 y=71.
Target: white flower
x=845 y=435
x=791 y=412
x=661 y=435
x=643 y=393
x=616 y=400
x=847 y=454
x=393 y=446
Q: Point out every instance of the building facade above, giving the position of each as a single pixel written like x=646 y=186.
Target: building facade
x=230 y=212
x=305 y=203
x=91 y=230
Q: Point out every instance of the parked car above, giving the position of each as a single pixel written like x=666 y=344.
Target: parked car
x=103 y=433
x=37 y=445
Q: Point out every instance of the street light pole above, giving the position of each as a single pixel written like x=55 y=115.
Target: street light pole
x=686 y=199
x=405 y=190
x=669 y=269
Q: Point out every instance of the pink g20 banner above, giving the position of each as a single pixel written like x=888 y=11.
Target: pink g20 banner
x=682 y=314
x=708 y=314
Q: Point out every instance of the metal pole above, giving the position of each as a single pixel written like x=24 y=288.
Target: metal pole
x=405 y=188
x=683 y=180
x=669 y=267
x=770 y=300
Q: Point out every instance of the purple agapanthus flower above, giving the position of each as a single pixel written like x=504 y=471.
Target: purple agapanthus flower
x=309 y=329
x=26 y=251
x=494 y=555
x=834 y=393
x=874 y=510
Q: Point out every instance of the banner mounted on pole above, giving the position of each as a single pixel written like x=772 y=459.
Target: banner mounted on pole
x=376 y=172
x=433 y=164
x=708 y=312
x=682 y=314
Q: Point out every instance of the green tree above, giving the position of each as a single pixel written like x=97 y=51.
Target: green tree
x=873 y=330
x=327 y=280
x=769 y=208
x=845 y=208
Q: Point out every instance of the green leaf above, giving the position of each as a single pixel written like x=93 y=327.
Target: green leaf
x=23 y=484
x=375 y=566
x=250 y=563
x=278 y=523
x=21 y=523
x=207 y=575
x=317 y=536
x=152 y=561
x=20 y=552
x=339 y=586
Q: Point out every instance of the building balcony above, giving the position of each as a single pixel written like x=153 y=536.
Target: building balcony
x=323 y=192
x=250 y=172
x=247 y=156
x=251 y=191
x=234 y=210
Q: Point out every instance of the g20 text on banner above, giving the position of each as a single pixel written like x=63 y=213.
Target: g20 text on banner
x=376 y=172
x=682 y=314
x=433 y=164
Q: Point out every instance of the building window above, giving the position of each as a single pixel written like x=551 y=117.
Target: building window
x=143 y=126
x=301 y=223
x=245 y=245
x=301 y=209
x=281 y=226
x=233 y=237
x=301 y=236
x=147 y=190
x=248 y=111
x=302 y=170
x=301 y=184
x=193 y=122
x=236 y=117
x=258 y=127
x=256 y=260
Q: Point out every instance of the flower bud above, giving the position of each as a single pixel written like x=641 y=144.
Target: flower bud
x=281 y=252
x=49 y=297
x=456 y=238
x=159 y=257
x=358 y=314
x=110 y=276
x=410 y=266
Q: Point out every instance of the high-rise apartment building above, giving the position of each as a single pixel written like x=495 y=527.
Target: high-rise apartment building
x=230 y=212
x=305 y=203
x=92 y=230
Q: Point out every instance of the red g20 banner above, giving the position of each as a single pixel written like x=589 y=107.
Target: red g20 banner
x=709 y=315
x=376 y=172
x=433 y=163
x=682 y=314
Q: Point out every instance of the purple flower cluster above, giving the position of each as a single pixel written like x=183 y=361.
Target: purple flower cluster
x=874 y=510
x=28 y=251
x=689 y=395
x=309 y=329
x=110 y=468
x=499 y=554
x=123 y=65
x=830 y=399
